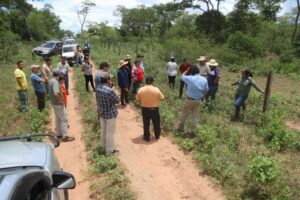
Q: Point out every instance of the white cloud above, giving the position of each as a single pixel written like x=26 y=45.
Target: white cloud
x=103 y=11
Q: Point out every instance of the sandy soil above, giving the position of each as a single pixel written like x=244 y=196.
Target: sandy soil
x=158 y=170
x=293 y=124
x=72 y=155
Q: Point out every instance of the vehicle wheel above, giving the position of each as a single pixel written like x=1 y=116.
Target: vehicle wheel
x=66 y=194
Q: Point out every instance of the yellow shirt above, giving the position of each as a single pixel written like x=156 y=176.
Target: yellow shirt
x=20 y=74
x=149 y=96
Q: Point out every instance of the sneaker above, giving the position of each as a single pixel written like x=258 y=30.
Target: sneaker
x=68 y=139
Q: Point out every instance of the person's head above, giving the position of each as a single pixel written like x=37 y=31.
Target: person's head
x=122 y=63
x=149 y=80
x=172 y=59
x=194 y=70
x=63 y=60
x=202 y=60
x=105 y=78
x=35 y=69
x=140 y=57
x=127 y=58
x=212 y=63
x=57 y=74
x=137 y=62
x=246 y=73
x=77 y=46
x=47 y=61
x=86 y=59
x=20 y=64
x=104 y=65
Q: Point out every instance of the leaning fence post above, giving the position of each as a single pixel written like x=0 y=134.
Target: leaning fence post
x=267 y=92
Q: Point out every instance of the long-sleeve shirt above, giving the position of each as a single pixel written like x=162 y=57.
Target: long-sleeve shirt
x=184 y=66
x=123 y=81
x=244 y=86
x=107 y=101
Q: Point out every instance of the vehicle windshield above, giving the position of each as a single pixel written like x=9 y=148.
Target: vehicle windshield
x=48 y=44
x=67 y=42
x=68 y=49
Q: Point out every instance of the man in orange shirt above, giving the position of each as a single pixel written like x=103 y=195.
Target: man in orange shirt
x=150 y=96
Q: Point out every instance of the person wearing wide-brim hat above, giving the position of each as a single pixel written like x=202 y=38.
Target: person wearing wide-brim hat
x=203 y=67
x=242 y=92
x=213 y=78
x=123 y=81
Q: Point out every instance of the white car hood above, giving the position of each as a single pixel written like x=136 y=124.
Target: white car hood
x=68 y=54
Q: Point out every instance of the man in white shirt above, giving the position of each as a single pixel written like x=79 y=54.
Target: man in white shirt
x=172 y=72
x=64 y=68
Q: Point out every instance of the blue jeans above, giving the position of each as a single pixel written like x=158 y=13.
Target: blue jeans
x=23 y=98
x=239 y=100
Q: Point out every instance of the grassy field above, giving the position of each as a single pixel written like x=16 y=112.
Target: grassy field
x=256 y=158
x=12 y=121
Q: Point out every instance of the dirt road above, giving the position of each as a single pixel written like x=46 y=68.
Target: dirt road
x=158 y=170
x=72 y=155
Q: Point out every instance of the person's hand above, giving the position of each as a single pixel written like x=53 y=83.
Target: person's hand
x=126 y=90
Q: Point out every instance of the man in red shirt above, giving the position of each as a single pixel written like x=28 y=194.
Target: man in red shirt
x=183 y=67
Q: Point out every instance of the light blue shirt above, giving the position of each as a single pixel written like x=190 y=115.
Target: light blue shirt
x=197 y=86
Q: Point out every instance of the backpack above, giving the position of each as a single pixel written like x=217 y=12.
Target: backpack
x=140 y=74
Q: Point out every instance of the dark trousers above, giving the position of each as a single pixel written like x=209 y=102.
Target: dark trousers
x=172 y=81
x=182 y=83
x=124 y=96
x=89 y=78
x=135 y=87
x=66 y=79
x=40 y=100
x=151 y=114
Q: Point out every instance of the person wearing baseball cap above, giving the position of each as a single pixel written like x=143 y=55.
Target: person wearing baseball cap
x=57 y=103
x=150 y=96
x=39 y=87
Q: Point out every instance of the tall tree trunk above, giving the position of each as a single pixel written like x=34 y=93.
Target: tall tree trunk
x=296 y=22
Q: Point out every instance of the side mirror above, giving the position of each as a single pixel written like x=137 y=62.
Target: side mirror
x=63 y=180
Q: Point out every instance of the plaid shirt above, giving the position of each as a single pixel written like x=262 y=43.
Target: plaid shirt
x=107 y=101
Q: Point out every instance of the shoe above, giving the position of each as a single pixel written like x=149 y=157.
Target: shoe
x=157 y=138
x=68 y=139
x=59 y=136
x=147 y=140
x=115 y=151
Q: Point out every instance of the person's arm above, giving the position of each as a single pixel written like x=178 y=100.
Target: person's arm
x=138 y=97
x=253 y=83
x=115 y=99
x=19 y=83
x=235 y=83
x=57 y=95
x=160 y=95
x=82 y=67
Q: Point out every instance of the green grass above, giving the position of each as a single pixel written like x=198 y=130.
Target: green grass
x=235 y=154
x=106 y=175
x=13 y=122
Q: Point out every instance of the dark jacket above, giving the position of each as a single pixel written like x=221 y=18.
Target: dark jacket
x=123 y=78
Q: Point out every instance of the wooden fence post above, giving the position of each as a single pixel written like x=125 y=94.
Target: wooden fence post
x=267 y=92
x=150 y=56
x=119 y=49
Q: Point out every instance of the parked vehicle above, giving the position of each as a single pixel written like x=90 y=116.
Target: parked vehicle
x=48 y=48
x=68 y=51
x=30 y=170
x=70 y=41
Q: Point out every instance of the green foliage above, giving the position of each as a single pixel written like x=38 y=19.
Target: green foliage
x=187 y=145
x=263 y=170
x=206 y=137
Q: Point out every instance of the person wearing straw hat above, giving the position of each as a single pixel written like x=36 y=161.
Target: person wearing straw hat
x=123 y=81
x=213 y=78
x=203 y=68
x=150 y=96
x=39 y=86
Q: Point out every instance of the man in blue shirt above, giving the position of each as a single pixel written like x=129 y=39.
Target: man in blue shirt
x=197 y=88
x=108 y=112
x=39 y=87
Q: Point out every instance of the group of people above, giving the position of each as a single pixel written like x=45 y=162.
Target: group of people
x=47 y=81
x=201 y=82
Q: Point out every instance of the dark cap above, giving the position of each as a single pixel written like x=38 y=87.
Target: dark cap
x=149 y=80
x=104 y=64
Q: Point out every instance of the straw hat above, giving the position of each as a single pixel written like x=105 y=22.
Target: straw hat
x=212 y=62
x=34 y=66
x=202 y=58
x=122 y=63
x=128 y=56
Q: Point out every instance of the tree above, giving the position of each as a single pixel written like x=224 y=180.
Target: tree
x=296 y=22
x=82 y=14
x=268 y=8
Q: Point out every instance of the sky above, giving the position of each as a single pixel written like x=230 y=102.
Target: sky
x=104 y=9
